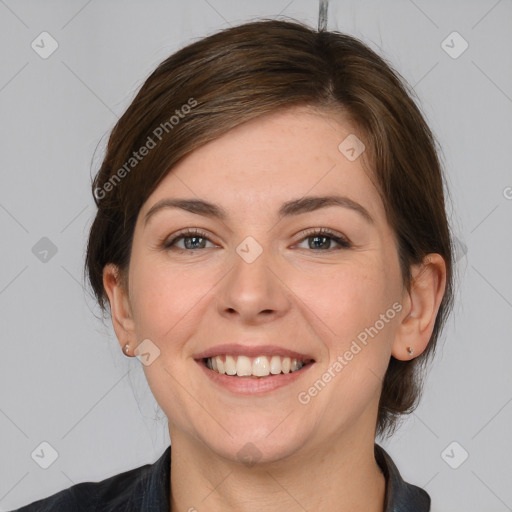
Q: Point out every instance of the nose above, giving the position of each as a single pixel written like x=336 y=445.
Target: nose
x=253 y=293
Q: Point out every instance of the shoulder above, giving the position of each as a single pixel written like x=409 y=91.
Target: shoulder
x=400 y=495
x=88 y=496
x=134 y=489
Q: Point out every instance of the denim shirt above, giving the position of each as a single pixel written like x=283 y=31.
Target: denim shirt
x=147 y=488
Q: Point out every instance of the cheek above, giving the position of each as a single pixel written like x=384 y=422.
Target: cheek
x=346 y=299
x=356 y=322
x=167 y=304
x=160 y=298
x=358 y=340
x=167 y=299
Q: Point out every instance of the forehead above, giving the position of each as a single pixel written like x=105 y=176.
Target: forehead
x=269 y=160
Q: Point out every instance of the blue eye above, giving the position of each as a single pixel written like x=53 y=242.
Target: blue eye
x=193 y=239
x=322 y=239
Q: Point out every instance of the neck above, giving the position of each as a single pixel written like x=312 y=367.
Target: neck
x=340 y=475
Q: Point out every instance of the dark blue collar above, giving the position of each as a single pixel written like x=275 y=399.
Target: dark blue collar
x=400 y=496
x=148 y=488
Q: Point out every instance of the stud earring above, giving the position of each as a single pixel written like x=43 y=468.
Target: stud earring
x=410 y=351
x=126 y=349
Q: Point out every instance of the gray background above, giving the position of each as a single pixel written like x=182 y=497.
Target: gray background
x=63 y=378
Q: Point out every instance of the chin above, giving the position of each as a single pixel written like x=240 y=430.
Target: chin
x=256 y=446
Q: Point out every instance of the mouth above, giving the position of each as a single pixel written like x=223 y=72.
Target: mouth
x=259 y=367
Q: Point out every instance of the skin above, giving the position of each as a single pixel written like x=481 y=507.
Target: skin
x=314 y=456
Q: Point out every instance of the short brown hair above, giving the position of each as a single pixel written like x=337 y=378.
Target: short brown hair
x=258 y=68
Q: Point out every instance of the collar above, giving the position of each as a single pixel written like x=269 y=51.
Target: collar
x=400 y=496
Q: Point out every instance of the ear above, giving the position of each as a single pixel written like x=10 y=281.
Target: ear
x=420 y=307
x=122 y=320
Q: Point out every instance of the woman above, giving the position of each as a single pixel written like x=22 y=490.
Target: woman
x=272 y=241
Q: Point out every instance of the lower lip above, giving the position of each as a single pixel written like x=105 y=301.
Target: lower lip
x=253 y=386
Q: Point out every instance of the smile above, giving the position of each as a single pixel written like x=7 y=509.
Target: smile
x=259 y=366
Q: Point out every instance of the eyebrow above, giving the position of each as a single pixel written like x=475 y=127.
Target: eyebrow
x=293 y=207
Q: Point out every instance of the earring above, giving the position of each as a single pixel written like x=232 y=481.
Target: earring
x=126 y=348
x=410 y=351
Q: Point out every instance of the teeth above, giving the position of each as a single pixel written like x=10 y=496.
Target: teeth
x=243 y=366
x=260 y=366
x=230 y=365
x=275 y=365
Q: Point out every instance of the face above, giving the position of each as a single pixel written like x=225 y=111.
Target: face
x=271 y=275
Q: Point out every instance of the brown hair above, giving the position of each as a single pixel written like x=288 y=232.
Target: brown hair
x=211 y=86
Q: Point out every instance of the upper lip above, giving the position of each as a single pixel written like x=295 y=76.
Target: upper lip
x=252 y=351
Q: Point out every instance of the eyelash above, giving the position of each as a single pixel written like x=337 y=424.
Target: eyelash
x=323 y=232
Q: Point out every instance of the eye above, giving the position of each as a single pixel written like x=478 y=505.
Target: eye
x=192 y=238
x=321 y=240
